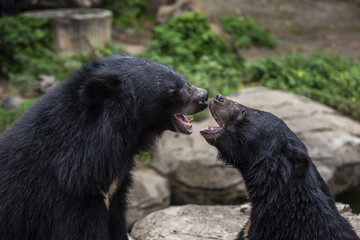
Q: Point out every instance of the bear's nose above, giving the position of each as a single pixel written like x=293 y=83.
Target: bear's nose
x=220 y=98
x=204 y=98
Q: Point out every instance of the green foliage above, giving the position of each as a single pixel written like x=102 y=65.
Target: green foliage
x=27 y=51
x=188 y=33
x=7 y=117
x=126 y=12
x=145 y=157
x=22 y=39
x=246 y=33
x=328 y=78
x=187 y=45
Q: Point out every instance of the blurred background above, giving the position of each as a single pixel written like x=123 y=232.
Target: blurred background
x=307 y=47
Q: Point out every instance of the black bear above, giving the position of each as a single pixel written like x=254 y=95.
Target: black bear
x=65 y=165
x=289 y=199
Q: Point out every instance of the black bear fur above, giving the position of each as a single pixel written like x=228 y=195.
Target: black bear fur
x=289 y=198
x=60 y=158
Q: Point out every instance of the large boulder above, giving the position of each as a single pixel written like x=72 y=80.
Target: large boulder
x=150 y=192
x=194 y=222
x=195 y=175
x=194 y=172
x=191 y=222
x=73 y=28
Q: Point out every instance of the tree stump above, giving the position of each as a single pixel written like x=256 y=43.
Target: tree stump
x=74 y=28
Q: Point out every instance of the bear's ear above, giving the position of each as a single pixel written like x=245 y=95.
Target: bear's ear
x=94 y=91
x=298 y=157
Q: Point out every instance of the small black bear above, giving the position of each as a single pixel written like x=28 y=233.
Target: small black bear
x=289 y=199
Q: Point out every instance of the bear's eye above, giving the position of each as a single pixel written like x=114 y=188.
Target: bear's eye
x=243 y=113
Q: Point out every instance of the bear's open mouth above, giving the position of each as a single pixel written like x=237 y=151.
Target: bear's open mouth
x=182 y=124
x=212 y=130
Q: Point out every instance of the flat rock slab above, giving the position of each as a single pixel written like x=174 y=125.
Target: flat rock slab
x=191 y=222
x=194 y=222
x=150 y=192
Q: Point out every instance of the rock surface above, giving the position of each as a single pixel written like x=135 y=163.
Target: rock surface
x=45 y=83
x=154 y=5
x=12 y=102
x=191 y=222
x=194 y=222
x=195 y=175
x=150 y=192
x=190 y=163
x=73 y=28
x=168 y=11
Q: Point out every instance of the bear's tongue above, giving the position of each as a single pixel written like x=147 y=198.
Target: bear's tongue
x=182 y=124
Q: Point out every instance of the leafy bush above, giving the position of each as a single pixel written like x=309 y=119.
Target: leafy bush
x=328 y=78
x=125 y=12
x=7 y=117
x=187 y=33
x=22 y=39
x=27 y=51
x=187 y=45
x=246 y=33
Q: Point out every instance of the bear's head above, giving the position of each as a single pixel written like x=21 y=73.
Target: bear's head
x=247 y=136
x=141 y=94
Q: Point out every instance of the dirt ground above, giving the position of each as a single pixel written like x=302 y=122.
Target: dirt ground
x=298 y=24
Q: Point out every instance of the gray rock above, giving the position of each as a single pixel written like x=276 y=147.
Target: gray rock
x=45 y=83
x=190 y=163
x=12 y=102
x=168 y=11
x=194 y=222
x=154 y=5
x=195 y=175
x=150 y=192
x=191 y=222
x=73 y=28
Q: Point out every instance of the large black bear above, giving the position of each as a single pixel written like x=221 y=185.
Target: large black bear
x=65 y=164
x=290 y=200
